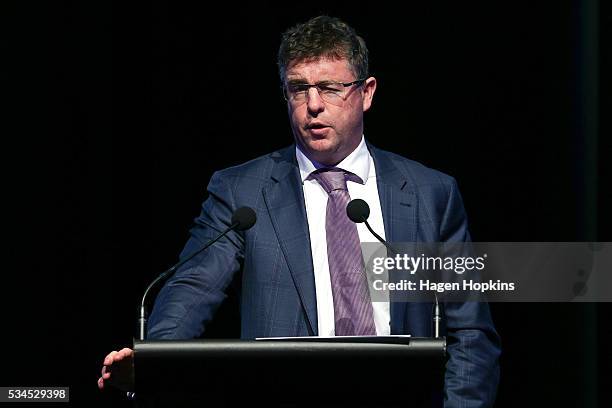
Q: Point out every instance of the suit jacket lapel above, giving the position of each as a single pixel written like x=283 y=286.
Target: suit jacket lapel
x=284 y=198
x=398 y=203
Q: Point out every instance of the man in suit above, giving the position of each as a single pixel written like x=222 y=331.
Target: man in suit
x=289 y=259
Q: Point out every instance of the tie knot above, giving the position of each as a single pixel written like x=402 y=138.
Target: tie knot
x=332 y=179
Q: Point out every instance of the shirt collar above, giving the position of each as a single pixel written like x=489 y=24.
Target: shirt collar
x=358 y=162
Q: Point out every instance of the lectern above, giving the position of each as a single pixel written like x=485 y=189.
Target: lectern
x=296 y=372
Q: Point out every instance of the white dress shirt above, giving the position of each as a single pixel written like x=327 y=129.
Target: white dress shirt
x=359 y=162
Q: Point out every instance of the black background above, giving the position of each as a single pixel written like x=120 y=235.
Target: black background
x=118 y=114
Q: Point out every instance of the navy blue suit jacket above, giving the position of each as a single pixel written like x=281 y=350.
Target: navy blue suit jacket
x=278 y=290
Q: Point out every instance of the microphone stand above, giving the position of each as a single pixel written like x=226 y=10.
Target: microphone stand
x=142 y=320
x=436 y=312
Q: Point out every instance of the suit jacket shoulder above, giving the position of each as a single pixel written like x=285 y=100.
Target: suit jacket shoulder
x=260 y=168
x=419 y=175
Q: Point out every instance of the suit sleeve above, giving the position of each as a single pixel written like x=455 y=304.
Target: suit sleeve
x=189 y=299
x=472 y=370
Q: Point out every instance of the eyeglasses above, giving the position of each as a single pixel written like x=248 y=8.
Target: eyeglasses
x=330 y=91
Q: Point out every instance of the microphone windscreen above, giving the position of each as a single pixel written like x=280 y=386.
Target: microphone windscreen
x=358 y=210
x=244 y=218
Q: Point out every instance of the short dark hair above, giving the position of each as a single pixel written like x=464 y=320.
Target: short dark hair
x=323 y=37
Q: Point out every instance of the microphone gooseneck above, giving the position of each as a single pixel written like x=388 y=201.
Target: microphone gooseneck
x=242 y=219
x=359 y=211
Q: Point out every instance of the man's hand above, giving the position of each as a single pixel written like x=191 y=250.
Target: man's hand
x=118 y=370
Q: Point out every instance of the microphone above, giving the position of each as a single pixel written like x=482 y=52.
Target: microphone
x=242 y=219
x=358 y=211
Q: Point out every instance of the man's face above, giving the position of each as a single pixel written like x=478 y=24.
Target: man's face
x=328 y=132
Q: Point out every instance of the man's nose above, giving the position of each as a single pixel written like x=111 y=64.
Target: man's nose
x=314 y=101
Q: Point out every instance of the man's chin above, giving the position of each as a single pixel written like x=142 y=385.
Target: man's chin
x=321 y=146
x=325 y=153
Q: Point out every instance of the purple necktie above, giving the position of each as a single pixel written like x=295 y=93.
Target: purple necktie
x=353 y=314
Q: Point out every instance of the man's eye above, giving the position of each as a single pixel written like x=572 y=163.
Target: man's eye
x=298 y=88
x=329 y=88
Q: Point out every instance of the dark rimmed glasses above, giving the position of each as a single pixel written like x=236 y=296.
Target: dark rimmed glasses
x=330 y=91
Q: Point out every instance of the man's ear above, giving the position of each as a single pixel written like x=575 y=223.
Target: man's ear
x=369 y=87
